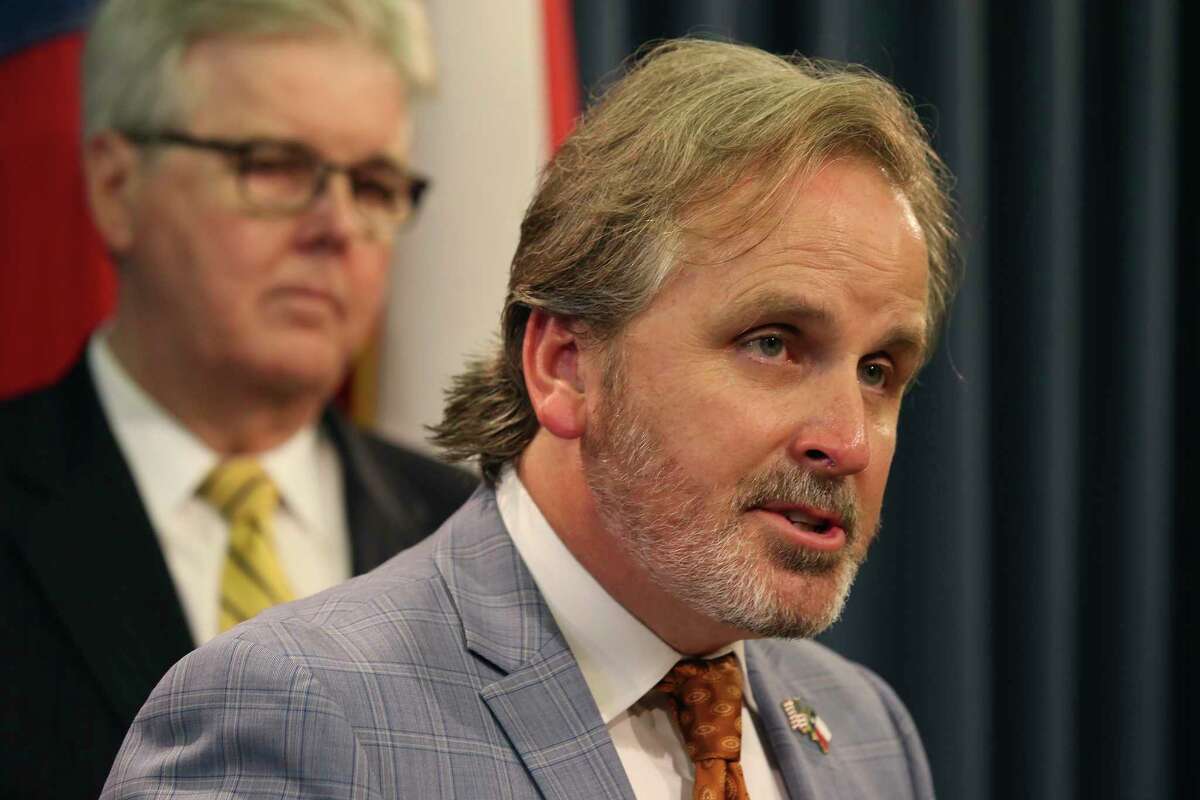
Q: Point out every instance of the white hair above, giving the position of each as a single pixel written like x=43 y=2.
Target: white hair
x=134 y=48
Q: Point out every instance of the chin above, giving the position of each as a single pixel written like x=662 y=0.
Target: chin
x=301 y=372
x=792 y=605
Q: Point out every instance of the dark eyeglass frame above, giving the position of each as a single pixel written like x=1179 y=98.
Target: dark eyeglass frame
x=240 y=150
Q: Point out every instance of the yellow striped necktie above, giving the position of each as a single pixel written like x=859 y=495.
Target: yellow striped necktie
x=252 y=578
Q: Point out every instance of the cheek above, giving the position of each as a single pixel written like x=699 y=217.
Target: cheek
x=720 y=431
x=237 y=265
x=228 y=260
x=883 y=448
x=251 y=248
x=366 y=286
x=883 y=440
x=204 y=233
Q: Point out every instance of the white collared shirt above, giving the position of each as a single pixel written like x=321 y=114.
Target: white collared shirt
x=169 y=463
x=621 y=661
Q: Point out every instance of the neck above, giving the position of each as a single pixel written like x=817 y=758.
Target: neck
x=231 y=416
x=551 y=470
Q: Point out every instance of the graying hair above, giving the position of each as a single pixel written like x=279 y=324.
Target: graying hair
x=135 y=47
x=692 y=120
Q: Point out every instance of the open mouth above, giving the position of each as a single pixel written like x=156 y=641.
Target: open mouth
x=807 y=521
x=808 y=518
x=810 y=527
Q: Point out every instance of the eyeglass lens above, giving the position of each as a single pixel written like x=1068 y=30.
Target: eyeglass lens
x=284 y=178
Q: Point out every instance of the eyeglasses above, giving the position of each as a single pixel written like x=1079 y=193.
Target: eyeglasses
x=282 y=177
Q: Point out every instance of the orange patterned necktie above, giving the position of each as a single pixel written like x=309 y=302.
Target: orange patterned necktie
x=706 y=701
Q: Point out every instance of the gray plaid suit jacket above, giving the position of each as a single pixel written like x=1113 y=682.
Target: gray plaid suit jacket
x=443 y=675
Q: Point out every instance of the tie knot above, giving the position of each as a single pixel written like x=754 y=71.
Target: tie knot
x=240 y=488
x=706 y=696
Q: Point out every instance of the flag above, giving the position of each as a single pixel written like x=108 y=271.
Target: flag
x=56 y=283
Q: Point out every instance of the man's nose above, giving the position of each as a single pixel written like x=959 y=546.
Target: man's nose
x=831 y=438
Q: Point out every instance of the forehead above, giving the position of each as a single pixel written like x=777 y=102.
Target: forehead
x=332 y=92
x=844 y=240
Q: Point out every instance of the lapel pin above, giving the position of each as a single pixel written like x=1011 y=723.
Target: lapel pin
x=804 y=720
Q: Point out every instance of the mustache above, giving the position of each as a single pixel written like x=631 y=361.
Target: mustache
x=801 y=487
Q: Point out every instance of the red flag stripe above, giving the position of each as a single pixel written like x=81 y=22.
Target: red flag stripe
x=55 y=280
x=562 y=74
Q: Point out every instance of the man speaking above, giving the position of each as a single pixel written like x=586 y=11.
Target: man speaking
x=247 y=165
x=728 y=279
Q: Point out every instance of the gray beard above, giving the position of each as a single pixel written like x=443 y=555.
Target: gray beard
x=698 y=554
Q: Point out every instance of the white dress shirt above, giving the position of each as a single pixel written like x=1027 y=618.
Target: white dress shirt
x=621 y=661
x=169 y=463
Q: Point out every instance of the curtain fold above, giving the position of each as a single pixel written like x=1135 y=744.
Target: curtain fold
x=1027 y=596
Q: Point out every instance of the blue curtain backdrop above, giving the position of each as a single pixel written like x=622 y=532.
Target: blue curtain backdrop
x=1027 y=595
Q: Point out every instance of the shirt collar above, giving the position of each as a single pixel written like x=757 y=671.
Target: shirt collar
x=295 y=468
x=169 y=462
x=620 y=658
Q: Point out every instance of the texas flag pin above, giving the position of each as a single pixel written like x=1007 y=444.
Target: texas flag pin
x=804 y=720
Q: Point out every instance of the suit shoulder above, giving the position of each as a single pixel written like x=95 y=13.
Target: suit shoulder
x=870 y=724
x=34 y=432
x=804 y=654
x=29 y=415
x=407 y=610
x=447 y=487
x=398 y=598
x=813 y=664
x=199 y=694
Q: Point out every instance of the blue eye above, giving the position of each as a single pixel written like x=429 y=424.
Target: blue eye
x=769 y=346
x=873 y=374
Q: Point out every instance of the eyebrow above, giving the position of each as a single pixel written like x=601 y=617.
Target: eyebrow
x=773 y=305
x=907 y=337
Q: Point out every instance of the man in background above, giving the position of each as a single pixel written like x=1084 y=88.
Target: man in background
x=247 y=166
x=731 y=274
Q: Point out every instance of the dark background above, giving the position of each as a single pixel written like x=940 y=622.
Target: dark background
x=1028 y=596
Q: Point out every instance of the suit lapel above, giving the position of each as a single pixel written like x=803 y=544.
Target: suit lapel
x=384 y=514
x=90 y=545
x=807 y=772
x=551 y=720
x=541 y=701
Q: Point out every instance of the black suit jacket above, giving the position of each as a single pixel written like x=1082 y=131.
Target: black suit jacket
x=89 y=618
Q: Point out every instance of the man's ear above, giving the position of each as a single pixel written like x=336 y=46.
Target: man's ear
x=550 y=359
x=111 y=169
